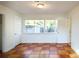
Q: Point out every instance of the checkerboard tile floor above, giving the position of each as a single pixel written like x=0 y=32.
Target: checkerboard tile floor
x=40 y=50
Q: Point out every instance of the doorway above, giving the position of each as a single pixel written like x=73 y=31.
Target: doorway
x=0 y=32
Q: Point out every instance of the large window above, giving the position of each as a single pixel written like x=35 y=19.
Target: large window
x=40 y=26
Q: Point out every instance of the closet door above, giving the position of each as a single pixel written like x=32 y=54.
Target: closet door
x=62 y=31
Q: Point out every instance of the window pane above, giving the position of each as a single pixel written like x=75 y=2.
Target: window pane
x=29 y=25
x=50 y=25
x=39 y=26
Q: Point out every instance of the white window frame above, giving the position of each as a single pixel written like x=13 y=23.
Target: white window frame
x=37 y=33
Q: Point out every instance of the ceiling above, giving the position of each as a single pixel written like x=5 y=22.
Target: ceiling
x=53 y=7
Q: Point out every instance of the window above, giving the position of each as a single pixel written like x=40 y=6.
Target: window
x=40 y=26
x=29 y=26
x=50 y=25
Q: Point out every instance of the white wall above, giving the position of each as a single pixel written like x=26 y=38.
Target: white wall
x=39 y=38
x=11 y=28
x=74 y=15
x=62 y=35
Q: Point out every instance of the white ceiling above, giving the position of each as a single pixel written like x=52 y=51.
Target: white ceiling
x=54 y=7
